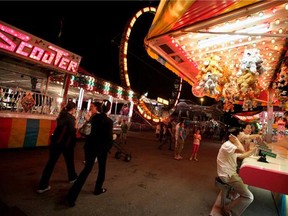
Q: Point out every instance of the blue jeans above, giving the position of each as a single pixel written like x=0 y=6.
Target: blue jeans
x=238 y=206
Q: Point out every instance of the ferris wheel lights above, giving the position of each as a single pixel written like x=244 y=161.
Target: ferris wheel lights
x=144 y=111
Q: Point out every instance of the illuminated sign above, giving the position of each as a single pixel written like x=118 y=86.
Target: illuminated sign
x=23 y=45
x=162 y=101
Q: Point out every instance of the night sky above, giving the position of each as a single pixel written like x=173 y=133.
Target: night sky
x=93 y=29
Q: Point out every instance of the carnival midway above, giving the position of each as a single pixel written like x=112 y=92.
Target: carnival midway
x=235 y=54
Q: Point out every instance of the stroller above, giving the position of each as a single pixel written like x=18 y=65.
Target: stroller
x=121 y=152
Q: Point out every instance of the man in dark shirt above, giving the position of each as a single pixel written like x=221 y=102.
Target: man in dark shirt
x=97 y=144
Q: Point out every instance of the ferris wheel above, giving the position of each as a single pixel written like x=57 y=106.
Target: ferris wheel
x=144 y=110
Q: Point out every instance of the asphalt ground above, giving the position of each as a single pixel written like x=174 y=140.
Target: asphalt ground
x=152 y=183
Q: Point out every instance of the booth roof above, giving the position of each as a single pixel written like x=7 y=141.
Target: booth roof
x=184 y=33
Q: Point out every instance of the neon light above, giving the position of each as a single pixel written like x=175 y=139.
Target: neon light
x=124 y=64
x=20 y=49
x=59 y=54
x=14 y=33
x=11 y=46
x=63 y=63
x=48 y=58
x=20 y=44
x=36 y=53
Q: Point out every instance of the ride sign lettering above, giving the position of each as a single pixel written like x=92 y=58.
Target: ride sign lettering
x=24 y=45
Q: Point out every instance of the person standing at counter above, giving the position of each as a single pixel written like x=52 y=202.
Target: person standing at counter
x=246 y=138
x=229 y=152
x=62 y=141
x=97 y=144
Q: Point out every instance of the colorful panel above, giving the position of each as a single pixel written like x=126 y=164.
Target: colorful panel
x=5 y=131
x=32 y=129
x=18 y=132
x=22 y=132
x=45 y=127
x=53 y=126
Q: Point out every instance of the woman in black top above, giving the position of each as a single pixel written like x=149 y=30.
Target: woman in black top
x=62 y=141
x=97 y=144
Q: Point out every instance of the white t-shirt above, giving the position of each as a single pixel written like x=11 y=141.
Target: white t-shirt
x=227 y=160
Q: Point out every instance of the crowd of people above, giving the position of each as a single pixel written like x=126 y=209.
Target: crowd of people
x=238 y=145
x=174 y=135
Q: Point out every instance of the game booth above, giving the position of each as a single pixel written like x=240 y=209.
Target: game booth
x=36 y=79
x=234 y=52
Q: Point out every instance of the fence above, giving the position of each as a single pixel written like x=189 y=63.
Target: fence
x=13 y=100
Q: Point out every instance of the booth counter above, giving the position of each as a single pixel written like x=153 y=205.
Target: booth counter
x=22 y=130
x=271 y=175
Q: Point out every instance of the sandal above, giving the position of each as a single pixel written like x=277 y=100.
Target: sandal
x=102 y=190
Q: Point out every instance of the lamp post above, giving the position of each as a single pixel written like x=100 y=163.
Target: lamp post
x=201 y=100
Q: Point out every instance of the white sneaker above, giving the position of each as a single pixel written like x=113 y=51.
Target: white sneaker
x=44 y=190
x=72 y=181
x=96 y=160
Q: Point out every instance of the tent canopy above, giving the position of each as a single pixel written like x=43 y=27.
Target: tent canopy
x=185 y=34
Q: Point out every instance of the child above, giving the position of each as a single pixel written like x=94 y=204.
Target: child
x=196 y=143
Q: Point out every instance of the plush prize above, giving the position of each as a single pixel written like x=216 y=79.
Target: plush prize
x=245 y=81
x=211 y=65
x=209 y=73
x=28 y=102
x=229 y=93
x=228 y=106
x=251 y=62
x=281 y=87
x=283 y=78
x=209 y=84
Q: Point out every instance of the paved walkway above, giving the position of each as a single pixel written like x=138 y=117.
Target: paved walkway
x=152 y=183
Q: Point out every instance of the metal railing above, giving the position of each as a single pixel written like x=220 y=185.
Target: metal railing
x=11 y=99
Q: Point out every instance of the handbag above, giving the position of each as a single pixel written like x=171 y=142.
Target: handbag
x=85 y=130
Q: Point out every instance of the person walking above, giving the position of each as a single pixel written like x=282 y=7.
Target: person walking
x=176 y=136
x=196 y=143
x=97 y=144
x=180 y=141
x=157 y=131
x=227 y=172
x=167 y=136
x=124 y=130
x=161 y=132
x=164 y=131
x=92 y=111
x=62 y=141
